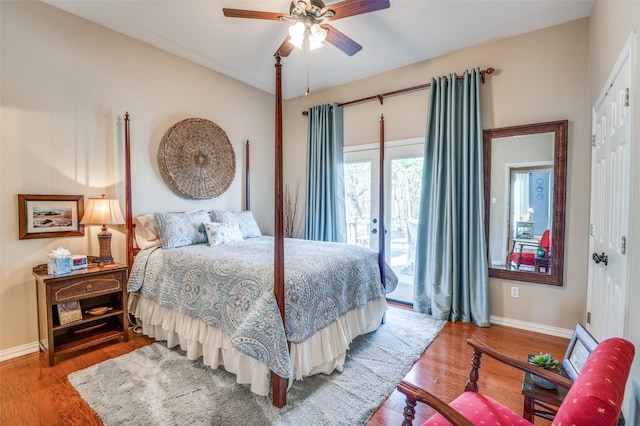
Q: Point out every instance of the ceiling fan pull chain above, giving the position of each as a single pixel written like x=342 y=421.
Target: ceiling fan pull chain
x=307 y=55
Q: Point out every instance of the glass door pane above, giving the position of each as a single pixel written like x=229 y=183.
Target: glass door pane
x=404 y=202
x=402 y=181
x=357 y=183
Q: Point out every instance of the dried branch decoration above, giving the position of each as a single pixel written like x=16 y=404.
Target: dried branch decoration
x=290 y=217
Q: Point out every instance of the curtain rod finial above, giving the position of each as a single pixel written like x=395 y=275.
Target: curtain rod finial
x=486 y=72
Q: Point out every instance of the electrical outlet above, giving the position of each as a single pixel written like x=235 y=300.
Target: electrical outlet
x=515 y=292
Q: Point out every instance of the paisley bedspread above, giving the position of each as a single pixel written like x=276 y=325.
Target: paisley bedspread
x=230 y=287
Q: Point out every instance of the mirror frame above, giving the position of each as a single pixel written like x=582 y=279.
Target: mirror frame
x=559 y=128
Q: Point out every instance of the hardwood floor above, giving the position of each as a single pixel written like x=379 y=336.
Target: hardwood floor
x=443 y=368
x=31 y=393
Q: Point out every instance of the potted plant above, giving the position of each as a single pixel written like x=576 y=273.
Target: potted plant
x=547 y=362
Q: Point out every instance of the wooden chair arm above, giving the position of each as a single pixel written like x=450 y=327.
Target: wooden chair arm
x=415 y=393
x=481 y=348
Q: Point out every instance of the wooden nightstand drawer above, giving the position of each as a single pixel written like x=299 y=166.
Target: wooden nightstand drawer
x=87 y=287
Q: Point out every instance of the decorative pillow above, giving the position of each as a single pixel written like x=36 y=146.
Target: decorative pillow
x=222 y=233
x=181 y=229
x=245 y=219
x=146 y=232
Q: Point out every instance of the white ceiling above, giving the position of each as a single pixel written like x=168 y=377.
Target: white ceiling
x=410 y=31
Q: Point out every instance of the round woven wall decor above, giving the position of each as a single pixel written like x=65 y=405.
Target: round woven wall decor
x=196 y=159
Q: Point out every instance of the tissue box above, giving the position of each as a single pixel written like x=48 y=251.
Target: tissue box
x=59 y=265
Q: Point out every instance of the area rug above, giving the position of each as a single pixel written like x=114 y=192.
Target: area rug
x=154 y=385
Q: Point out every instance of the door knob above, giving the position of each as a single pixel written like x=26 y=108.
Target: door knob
x=600 y=258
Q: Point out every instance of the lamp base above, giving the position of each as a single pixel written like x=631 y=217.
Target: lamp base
x=104 y=241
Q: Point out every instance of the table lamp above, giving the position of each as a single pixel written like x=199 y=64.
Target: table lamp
x=103 y=211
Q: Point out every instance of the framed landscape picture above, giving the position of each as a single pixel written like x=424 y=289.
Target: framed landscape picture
x=50 y=216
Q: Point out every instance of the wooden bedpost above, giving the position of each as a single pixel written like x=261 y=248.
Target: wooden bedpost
x=127 y=192
x=279 y=383
x=381 y=227
x=247 y=179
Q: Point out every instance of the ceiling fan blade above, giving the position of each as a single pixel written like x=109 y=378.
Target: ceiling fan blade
x=341 y=41
x=253 y=14
x=347 y=8
x=285 y=48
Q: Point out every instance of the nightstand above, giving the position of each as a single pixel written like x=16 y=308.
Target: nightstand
x=96 y=286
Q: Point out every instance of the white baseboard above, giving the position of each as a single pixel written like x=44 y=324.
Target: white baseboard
x=529 y=326
x=17 y=351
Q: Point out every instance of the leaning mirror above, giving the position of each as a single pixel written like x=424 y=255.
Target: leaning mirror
x=525 y=185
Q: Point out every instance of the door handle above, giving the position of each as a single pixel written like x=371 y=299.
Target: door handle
x=375 y=231
x=600 y=258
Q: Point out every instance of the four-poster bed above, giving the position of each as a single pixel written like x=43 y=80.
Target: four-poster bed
x=250 y=366
x=342 y=285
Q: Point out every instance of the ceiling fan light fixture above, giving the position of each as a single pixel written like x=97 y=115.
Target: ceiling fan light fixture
x=297 y=30
x=297 y=42
x=318 y=33
x=296 y=34
x=314 y=43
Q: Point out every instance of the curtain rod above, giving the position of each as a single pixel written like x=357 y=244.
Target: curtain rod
x=381 y=96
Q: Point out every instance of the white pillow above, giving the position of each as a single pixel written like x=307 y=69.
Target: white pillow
x=245 y=219
x=181 y=229
x=146 y=232
x=222 y=233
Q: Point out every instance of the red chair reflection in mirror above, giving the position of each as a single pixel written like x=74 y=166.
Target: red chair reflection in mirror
x=536 y=256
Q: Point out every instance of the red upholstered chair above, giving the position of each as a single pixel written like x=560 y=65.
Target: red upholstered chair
x=594 y=398
x=519 y=256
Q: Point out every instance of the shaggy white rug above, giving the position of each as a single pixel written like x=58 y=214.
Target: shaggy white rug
x=158 y=386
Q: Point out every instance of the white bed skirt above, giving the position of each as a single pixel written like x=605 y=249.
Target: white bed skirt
x=323 y=352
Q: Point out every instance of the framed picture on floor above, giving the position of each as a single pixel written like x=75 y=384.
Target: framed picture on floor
x=580 y=347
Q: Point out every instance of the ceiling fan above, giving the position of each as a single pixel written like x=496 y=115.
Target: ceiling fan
x=310 y=17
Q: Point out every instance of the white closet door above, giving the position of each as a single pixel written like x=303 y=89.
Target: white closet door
x=608 y=277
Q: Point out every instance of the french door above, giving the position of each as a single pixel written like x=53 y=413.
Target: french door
x=402 y=183
x=612 y=151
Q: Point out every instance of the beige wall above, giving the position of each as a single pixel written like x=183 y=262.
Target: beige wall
x=612 y=23
x=65 y=84
x=541 y=76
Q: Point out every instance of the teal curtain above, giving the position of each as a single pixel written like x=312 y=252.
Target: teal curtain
x=452 y=275
x=325 y=211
